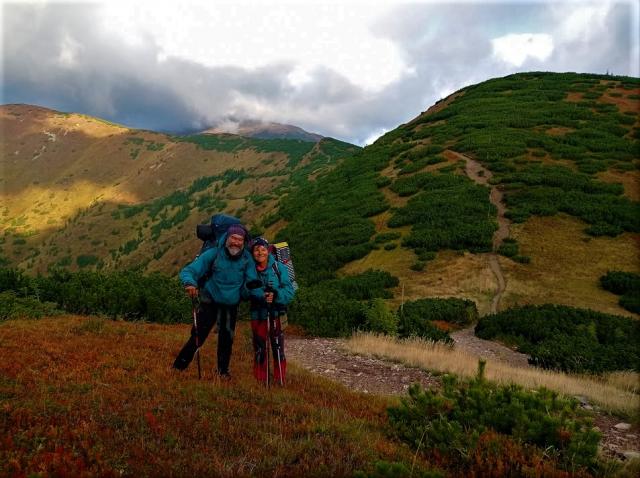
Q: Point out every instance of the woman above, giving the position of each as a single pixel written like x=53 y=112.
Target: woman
x=266 y=311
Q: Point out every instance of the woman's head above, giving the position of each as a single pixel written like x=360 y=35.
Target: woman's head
x=260 y=250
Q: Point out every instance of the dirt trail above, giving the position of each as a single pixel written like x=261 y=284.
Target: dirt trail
x=480 y=175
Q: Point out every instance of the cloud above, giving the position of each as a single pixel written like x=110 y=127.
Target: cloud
x=151 y=74
x=516 y=48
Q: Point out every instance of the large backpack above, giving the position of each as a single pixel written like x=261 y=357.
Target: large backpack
x=282 y=254
x=211 y=233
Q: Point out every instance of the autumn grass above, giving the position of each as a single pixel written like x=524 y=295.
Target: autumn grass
x=566 y=265
x=613 y=394
x=94 y=397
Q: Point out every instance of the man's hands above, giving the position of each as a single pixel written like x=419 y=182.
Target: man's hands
x=191 y=291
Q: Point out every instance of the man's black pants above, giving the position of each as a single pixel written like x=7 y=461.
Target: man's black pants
x=208 y=315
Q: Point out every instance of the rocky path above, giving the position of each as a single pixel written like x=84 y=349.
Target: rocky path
x=328 y=357
x=487 y=349
x=365 y=374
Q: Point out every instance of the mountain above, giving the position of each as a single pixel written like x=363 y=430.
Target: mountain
x=517 y=190
x=81 y=192
x=265 y=130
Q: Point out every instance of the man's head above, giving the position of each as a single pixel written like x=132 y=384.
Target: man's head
x=235 y=239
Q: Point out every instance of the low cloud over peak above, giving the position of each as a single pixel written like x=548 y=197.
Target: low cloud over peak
x=70 y=57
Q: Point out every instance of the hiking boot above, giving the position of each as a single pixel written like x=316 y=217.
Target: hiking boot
x=180 y=363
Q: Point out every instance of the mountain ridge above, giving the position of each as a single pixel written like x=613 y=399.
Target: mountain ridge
x=500 y=123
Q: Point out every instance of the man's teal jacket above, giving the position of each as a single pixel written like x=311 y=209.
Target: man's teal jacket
x=227 y=276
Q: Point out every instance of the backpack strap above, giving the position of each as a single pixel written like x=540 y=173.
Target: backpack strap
x=276 y=269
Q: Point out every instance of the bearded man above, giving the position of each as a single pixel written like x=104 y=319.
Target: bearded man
x=223 y=272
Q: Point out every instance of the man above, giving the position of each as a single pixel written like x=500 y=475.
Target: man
x=223 y=272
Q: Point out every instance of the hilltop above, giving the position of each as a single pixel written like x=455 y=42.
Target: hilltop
x=265 y=130
x=554 y=157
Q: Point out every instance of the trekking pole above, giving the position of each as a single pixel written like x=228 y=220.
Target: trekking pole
x=273 y=328
x=277 y=341
x=268 y=342
x=194 y=306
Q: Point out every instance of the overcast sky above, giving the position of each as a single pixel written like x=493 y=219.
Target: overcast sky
x=347 y=69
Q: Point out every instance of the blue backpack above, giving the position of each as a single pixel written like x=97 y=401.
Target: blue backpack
x=211 y=233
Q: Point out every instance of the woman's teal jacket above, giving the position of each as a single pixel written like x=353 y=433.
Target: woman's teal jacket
x=282 y=286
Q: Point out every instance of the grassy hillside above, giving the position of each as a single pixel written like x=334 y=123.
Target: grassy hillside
x=79 y=192
x=563 y=151
x=93 y=397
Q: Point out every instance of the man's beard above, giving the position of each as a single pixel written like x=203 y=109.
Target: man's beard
x=234 y=251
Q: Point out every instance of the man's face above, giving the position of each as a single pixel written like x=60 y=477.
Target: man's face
x=235 y=243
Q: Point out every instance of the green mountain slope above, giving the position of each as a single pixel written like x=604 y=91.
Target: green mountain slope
x=78 y=192
x=561 y=150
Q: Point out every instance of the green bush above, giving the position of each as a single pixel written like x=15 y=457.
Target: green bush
x=453 y=422
x=387 y=236
x=326 y=312
x=522 y=259
x=416 y=316
x=417 y=266
x=85 y=260
x=366 y=285
x=335 y=308
x=380 y=319
x=567 y=338
x=451 y=212
x=626 y=284
x=128 y=294
x=508 y=249
x=390 y=246
x=13 y=306
x=621 y=283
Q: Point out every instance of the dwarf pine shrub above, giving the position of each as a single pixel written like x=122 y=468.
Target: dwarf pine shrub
x=454 y=422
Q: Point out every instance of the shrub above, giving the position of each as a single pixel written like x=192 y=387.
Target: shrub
x=453 y=310
x=128 y=294
x=567 y=338
x=326 y=312
x=626 y=284
x=387 y=236
x=621 y=283
x=13 y=306
x=522 y=259
x=508 y=249
x=417 y=266
x=390 y=246
x=380 y=319
x=85 y=260
x=456 y=422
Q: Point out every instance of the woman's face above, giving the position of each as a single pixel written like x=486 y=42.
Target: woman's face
x=260 y=254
